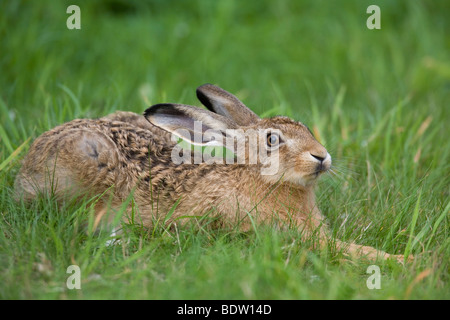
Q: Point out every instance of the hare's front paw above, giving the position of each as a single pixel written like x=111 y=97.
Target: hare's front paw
x=400 y=258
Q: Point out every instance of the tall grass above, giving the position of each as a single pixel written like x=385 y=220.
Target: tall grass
x=377 y=99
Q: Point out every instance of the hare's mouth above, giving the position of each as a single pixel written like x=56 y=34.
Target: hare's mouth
x=321 y=168
x=316 y=174
x=319 y=164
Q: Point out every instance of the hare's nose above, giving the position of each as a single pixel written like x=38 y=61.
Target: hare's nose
x=318 y=157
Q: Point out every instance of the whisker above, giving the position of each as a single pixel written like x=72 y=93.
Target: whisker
x=335 y=175
x=344 y=173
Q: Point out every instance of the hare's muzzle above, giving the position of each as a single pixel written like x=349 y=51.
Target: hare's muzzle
x=322 y=160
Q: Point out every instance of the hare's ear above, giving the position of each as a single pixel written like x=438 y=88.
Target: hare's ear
x=195 y=125
x=224 y=103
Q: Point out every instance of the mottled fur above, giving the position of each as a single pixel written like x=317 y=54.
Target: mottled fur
x=125 y=153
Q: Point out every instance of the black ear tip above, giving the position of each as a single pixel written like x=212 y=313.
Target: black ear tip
x=165 y=108
x=151 y=110
x=203 y=94
x=148 y=112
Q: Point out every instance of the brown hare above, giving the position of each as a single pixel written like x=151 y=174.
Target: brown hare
x=270 y=175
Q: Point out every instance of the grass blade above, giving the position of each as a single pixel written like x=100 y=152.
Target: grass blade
x=14 y=154
x=412 y=227
x=437 y=223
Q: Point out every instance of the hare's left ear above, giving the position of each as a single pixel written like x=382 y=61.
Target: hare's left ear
x=195 y=125
x=224 y=103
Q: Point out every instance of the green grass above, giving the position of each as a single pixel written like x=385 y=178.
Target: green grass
x=377 y=99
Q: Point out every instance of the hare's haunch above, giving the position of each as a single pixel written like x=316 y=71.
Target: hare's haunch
x=235 y=165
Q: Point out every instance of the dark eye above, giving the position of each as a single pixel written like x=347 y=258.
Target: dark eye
x=273 y=139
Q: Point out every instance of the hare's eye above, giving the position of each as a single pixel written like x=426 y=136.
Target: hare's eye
x=273 y=139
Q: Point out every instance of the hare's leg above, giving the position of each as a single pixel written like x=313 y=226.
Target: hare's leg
x=321 y=240
x=68 y=164
x=314 y=229
x=356 y=250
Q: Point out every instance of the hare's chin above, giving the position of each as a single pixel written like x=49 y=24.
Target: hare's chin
x=301 y=179
x=307 y=179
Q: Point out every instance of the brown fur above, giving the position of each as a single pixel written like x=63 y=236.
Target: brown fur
x=123 y=153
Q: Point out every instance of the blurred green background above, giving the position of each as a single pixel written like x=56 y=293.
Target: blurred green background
x=131 y=53
x=377 y=99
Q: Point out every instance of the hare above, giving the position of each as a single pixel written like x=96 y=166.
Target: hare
x=269 y=177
